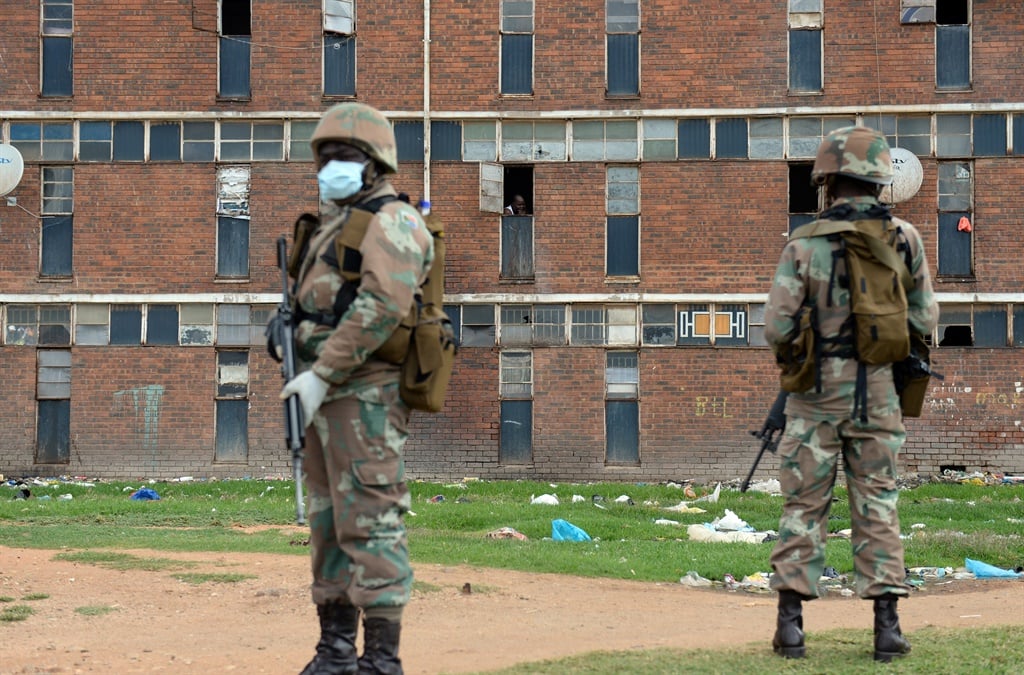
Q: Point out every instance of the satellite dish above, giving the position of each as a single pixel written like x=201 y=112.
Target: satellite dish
x=11 y=168
x=906 y=179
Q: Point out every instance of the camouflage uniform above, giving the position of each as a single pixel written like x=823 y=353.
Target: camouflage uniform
x=821 y=426
x=354 y=467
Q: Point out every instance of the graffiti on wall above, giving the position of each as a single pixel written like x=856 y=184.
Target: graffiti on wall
x=712 y=406
x=143 y=403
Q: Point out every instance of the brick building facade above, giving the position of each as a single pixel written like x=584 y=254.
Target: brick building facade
x=613 y=333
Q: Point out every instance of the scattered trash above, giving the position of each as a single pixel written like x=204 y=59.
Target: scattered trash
x=730 y=521
x=770 y=486
x=563 y=530
x=666 y=521
x=436 y=499
x=694 y=579
x=578 y=498
x=930 y=572
x=551 y=500
x=684 y=507
x=707 y=533
x=624 y=499
x=463 y=500
x=144 y=494
x=830 y=573
x=713 y=497
x=984 y=570
x=67 y=497
x=506 y=533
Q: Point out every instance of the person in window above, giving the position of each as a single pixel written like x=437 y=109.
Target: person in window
x=822 y=425
x=349 y=304
x=517 y=207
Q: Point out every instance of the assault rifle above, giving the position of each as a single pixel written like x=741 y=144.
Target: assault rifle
x=284 y=339
x=769 y=434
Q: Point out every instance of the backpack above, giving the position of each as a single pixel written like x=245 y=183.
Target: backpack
x=424 y=343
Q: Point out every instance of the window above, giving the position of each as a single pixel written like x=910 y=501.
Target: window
x=722 y=325
x=56 y=240
x=233 y=222
x=196 y=325
x=622 y=408
x=658 y=324
x=622 y=236
x=299 y=149
x=989 y=134
x=477 y=326
x=979 y=325
x=588 y=325
x=94 y=141
x=446 y=141
x=694 y=139
x=805 y=40
x=803 y=195
x=598 y=141
x=162 y=325
x=198 y=144
x=910 y=132
x=58 y=66
x=533 y=141
x=952 y=44
x=731 y=138
x=622 y=50
x=235 y=47
x=53 y=414
x=244 y=141
x=659 y=139
x=766 y=138
x=165 y=141
x=50 y=141
x=409 y=140
x=516 y=47
x=454 y=313
x=806 y=133
x=956 y=192
x=517 y=260
x=92 y=325
x=129 y=142
x=339 y=48
x=479 y=141
x=43 y=325
x=232 y=430
x=516 y=444
x=126 y=324
x=952 y=135
x=523 y=325
x=240 y=324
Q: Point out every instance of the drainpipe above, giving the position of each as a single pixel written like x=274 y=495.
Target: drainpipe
x=426 y=100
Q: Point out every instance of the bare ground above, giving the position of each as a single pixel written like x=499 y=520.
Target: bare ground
x=266 y=624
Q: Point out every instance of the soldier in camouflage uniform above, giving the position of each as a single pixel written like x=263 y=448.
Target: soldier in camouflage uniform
x=854 y=165
x=354 y=467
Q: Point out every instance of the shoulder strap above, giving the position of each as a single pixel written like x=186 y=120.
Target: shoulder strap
x=885 y=253
x=821 y=228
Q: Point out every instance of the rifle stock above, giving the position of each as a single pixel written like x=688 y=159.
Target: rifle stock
x=769 y=434
x=294 y=425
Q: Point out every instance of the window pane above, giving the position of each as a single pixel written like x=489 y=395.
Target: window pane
x=125 y=325
x=53 y=432
x=165 y=141
x=990 y=135
x=624 y=64
x=232 y=247
x=234 y=66
x=94 y=141
x=339 y=65
x=232 y=430
x=56 y=246
x=622 y=432
x=990 y=325
x=409 y=139
x=516 y=432
x=517 y=247
x=954 y=245
x=446 y=141
x=694 y=139
x=517 y=64
x=731 y=138
x=58 y=67
x=198 y=145
x=129 y=142
x=805 y=60
x=623 y=246
x=953 y=57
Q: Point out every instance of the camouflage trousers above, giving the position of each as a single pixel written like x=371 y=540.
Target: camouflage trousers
x=354 y=474
x=809 y=454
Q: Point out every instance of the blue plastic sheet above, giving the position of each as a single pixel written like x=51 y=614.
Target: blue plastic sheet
x=144 y=494
x=983 y=570
x=563 y=530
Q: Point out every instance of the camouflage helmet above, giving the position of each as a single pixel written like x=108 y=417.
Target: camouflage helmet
x=857 y=152
x=362 y=126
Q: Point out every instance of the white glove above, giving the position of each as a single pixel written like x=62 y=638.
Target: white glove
x=311 y=390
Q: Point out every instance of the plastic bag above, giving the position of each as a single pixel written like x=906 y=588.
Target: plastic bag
x=984 y=571
x=563 y=530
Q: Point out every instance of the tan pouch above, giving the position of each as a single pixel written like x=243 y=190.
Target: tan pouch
x=797 y=359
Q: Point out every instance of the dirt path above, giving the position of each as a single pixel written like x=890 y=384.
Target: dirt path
x=267 y=624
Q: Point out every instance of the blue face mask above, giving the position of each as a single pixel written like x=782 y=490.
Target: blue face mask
x=340 y=180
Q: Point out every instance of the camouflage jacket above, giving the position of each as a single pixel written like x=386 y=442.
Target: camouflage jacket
x=397 y=252
x=804 y=271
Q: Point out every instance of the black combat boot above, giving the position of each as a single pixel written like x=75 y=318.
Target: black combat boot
x=789 y=634
x=889 y=640
x=336 y=651
x=380 y=648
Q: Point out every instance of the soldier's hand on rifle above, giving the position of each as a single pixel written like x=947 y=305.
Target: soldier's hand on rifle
x=311 y=391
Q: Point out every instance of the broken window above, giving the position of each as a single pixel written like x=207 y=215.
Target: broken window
x=517 y=46
x=196 y=325
x=235 y=49
x=232 y=423
x=339 y=48
x=952 y=44
x=803 y=195
x=233 y=221
x=53 y=406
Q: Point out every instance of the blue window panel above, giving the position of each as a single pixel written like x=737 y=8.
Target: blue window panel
x=990 y=327
x=129 y=142
x=162 y=325
x=517 y=247
x=232 y=443
x=232 y=247
x=198 y=141
x=990 y=135
x=624 y=64
x=954 y=246
x=731 y=138
x=516 y=432
x=1018 y=325
x=953 y=57
x=1018 y=134
x=339 y=65
x=234 y=66
x=622 y=432
x=446 y=141
x=94 y=141
x=454 y=313
x=165 y=142
x=805 y=60
x=694 y=139
x=517 y=64
x=798 y=219
x=623 y=246
x=409 y=139
x=58 y=67
x=57 y=246
x=126 y=325
x=53 y=432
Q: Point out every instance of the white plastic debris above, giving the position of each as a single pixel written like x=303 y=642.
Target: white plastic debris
x=578 y=498
x=731 y=522
x=694 y=579
x=666 y=521
x=551 y=500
